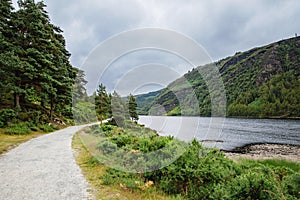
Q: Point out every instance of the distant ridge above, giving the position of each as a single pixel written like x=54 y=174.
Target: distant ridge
x=261 y=82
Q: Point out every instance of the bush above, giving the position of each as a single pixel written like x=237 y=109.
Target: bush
x=34 y=116
x=1 y=124
x=121 y=140
x=291 y=185
x=107 y=179
x=6 y=115
x=107 y=147
x=46 y=128
x=199 y=173
x=105 y=127
x=255 y=184
x=34 y=128
x=18 y=129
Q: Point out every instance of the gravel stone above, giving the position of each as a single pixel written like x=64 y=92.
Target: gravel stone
x=43 y=168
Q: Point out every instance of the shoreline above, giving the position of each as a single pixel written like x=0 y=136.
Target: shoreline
x=258 y=151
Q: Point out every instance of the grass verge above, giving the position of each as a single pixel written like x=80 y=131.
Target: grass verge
x=8 y=142
x=94 y=173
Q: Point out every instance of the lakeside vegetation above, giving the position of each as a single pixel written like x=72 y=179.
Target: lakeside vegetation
x=199 y=172
x=94 y=171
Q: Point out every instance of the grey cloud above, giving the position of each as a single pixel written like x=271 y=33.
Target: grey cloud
x=221 y=27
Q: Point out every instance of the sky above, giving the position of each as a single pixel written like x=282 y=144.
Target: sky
x=220 y=27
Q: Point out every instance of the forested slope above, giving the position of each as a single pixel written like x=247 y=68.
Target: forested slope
x=261 y=82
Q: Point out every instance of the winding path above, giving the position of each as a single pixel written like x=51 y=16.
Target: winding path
x=43 y=168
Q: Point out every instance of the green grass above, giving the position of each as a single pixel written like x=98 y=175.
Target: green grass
x=8 y=142
x=18 y=129
x=14 y=135
x=281 y=163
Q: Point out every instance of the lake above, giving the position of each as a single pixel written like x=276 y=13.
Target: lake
x=226 y=133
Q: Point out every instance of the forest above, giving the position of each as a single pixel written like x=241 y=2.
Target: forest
x=36 y=75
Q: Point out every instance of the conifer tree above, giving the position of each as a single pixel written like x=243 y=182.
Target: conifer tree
x=102 y=102
x=8 y=58
x=118 y=109
x=132 y=105
x=46 y=75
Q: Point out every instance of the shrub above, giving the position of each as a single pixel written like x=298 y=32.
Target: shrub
x=194 y=175
x=1 y=124
x=105 y=130
x=291 y=186
x=107 y=179
x=254 y=184
x=121 y=140
x=93 y=161
x=6 y=115
x=18 y=129
x=107 y=147
x=46 y=128
x=199 y=173
x=34 y=128
x=105 y=127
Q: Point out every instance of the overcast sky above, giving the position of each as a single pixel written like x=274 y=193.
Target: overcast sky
x=221 y=27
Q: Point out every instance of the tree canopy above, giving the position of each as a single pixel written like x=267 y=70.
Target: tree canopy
x=36 y=74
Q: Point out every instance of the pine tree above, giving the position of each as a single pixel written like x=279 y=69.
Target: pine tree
x=102 y=102
x=118 y=109
x=79 y=91
x=132 y=105
x=8 y=59
x=45 y=74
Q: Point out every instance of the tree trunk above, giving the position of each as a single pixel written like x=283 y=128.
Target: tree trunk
x=52 y=106
x=16 y=99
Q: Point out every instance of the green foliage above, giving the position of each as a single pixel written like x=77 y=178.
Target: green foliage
x=199 y=173
x=37 y=77
x=132 y=108
x=107 y=147
x=281 y=163
x=119 y=113
x=34 y=128
x=291 y=186
x=102 y=102
x=17 y=129
x=144 y=100
x=6 y=115
x=47 y=128
x=84 y=112
x=107 y=179
x=175 y=112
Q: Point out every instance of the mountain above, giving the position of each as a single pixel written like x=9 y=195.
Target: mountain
x=144 y=100
x=261 y=82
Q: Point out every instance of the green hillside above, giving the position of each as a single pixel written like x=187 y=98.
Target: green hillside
x=144 y=100
x=261 y=82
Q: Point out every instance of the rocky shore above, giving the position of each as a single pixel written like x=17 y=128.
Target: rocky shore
x=266 y=151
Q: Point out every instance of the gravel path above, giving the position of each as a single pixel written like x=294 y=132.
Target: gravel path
x=43 y=168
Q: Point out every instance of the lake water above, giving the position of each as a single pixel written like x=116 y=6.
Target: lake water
x=226 y=133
